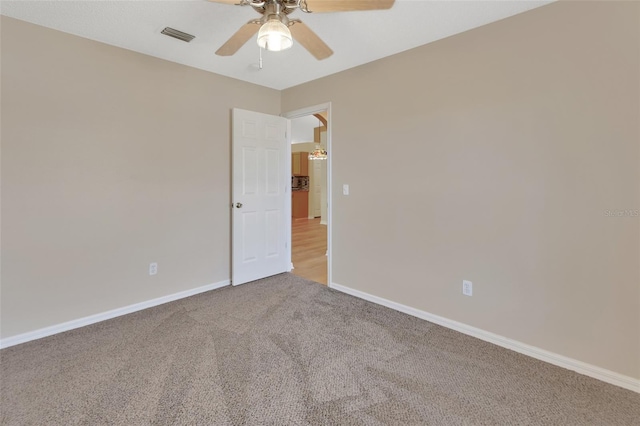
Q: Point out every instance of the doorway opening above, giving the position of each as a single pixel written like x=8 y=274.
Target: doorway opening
x=310 y=193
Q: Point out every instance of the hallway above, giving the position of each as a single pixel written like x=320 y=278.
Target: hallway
x=308 y=249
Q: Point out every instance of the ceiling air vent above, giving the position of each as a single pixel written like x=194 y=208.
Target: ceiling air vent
x=171 y=32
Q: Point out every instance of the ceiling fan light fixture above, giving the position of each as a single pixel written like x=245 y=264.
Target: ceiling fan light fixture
x=274 y=36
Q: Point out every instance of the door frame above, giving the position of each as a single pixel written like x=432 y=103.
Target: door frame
x=303 y=112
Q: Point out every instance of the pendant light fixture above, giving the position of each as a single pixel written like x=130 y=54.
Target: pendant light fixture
x=318 y=153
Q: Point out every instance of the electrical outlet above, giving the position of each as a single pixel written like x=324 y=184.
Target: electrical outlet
x=153 y=268
x=467 y=288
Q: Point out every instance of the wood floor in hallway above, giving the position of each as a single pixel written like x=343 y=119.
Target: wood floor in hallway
x=308 y=249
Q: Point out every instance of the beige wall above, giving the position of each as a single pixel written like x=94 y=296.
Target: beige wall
x=497 y=153
x=110 y=160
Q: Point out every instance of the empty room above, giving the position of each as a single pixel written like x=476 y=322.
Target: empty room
x=479 y=211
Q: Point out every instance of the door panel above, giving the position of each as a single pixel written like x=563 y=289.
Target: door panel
x=249 y=228
x=259 y=196
x=249 y=171
x=273 y=172
x=272 y=229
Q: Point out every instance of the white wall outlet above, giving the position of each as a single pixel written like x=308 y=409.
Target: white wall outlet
x=345 y=189
x=467 y=288
x=153 y=268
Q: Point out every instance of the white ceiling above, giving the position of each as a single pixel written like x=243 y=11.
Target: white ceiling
x=355 y=37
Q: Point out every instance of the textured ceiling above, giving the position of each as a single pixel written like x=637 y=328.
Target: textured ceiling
x=355 y=37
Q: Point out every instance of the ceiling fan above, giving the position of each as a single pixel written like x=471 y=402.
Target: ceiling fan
x=276 y=31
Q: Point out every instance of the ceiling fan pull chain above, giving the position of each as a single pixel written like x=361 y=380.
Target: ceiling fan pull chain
x=260 y=60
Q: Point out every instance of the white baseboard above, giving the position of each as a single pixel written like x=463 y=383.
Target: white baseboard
x=92 y=319
x=560 y=360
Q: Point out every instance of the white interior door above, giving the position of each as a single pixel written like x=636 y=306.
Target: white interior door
x=260 y=198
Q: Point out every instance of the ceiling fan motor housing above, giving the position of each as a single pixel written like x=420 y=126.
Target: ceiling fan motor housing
x=274 y=11
x=279 y=7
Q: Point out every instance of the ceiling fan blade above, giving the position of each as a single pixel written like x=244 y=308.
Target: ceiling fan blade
x=309 y=40
x=238 y=39
x=226 y=1
x=347 y=5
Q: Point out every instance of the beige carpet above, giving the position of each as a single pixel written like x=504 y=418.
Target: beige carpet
x=285 y=351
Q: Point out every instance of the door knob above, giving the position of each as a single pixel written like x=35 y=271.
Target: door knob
x=238 y=205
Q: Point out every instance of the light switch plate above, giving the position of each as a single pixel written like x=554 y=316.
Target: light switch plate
x=467 y=288
x=345 y=189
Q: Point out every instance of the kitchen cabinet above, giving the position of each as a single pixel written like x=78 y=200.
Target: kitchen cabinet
x=300 y=204
x=300 y=164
